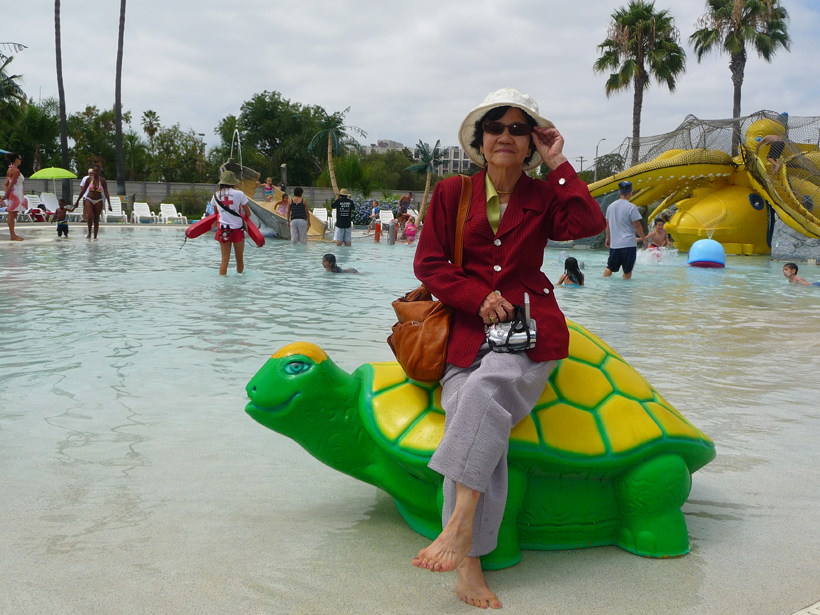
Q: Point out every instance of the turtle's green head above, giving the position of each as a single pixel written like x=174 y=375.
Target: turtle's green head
x=299 y=392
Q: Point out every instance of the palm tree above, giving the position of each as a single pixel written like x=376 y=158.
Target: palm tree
x=728 y=26
x=641 y=44
x=118 y=107
x=337 y=134
x=151 y=126
x=10 y=91
x=429 y=159
x=66 y=188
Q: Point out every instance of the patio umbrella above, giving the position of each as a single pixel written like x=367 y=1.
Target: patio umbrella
x=53 y=173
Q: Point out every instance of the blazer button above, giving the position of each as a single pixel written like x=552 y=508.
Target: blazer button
x=497 y=242
x=546 y=291
x=562 y=181
x=497 y=268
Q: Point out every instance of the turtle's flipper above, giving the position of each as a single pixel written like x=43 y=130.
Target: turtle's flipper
x=650 y=497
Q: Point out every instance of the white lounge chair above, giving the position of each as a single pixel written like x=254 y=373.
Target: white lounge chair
x=116 y=212
x=49 y=202
x=320 y=213
x=168 y=214
x=385 y=217
x=143 y=212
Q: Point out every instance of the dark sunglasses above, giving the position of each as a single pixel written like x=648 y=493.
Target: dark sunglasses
x=517 y=129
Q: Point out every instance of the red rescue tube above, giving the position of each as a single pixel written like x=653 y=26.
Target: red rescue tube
x=203 y=226
x=254 y=233
x=209 y=222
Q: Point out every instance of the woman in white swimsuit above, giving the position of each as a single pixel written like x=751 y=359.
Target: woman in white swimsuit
x=16 y=200
x=93 y=199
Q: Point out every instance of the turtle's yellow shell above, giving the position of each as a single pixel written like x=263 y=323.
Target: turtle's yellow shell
x=596 y=412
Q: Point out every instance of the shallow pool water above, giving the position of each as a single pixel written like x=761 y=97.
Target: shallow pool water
x=133 y=481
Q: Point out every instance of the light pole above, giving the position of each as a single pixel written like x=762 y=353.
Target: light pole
x=595 y=162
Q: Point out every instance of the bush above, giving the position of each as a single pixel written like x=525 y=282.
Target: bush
x=362 y=208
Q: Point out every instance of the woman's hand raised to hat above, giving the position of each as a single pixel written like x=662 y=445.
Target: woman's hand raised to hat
x=550 y=145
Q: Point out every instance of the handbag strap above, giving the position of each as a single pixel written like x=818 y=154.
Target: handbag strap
x=461 y=221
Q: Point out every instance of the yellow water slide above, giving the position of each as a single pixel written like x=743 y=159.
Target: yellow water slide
x=793 y=187
x=711 y=192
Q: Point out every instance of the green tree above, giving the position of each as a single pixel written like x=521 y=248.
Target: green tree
x=12 y=97
x=429 y=159
x=137 y=156
x=730 y=26
x=333 y=130
x=180 y=156
x=151 y=126
x=118 y=119
x=36 y=136
x=93 y=131
x=274 y=131
x=40 y=131
x=642 y=43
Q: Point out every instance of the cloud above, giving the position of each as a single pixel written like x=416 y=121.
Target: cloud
x=408 y=71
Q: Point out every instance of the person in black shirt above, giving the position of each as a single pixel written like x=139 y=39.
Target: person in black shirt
x=344 y=218
x=298 y=218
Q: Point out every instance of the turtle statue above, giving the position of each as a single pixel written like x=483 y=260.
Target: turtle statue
x=602 y=459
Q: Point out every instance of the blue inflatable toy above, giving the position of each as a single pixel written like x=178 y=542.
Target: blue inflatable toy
x=707 y=253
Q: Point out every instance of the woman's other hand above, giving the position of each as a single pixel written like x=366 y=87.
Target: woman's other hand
x=550 y=145
x=496 y=308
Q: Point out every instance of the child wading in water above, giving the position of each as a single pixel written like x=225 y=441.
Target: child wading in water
x=61 y=220
x=658 y=238
x=790 y=271
x=329 y=263
x=572 y=275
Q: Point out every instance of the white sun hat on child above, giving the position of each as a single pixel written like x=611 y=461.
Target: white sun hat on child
x=506 y=97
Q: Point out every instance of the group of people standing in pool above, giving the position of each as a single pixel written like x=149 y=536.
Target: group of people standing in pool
x=93 y=193
x=623 y=228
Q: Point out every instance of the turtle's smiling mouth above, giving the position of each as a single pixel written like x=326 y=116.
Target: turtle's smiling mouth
x=277 y=409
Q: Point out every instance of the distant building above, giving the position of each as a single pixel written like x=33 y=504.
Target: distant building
x=457 y=160
x=382 y=146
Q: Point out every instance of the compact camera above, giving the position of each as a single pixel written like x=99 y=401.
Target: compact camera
x=516 y=335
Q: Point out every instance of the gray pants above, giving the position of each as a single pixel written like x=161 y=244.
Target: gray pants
x=483 y=403
x=298 y=231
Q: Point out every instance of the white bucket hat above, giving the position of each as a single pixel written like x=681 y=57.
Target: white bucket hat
x=507 y=97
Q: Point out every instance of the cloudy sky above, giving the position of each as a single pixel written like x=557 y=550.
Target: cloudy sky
x=408 y=70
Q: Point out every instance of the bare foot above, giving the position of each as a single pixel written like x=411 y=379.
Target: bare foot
x=16 y=238
x=455 y=540
x=471 y=588
x=88 y=236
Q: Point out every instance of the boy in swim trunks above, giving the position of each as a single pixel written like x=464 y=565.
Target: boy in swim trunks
x=623 y=221
x=790 y=271
x=60 y=217
x=658 y=237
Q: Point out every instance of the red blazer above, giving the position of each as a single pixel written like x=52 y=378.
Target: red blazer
x=559 y=208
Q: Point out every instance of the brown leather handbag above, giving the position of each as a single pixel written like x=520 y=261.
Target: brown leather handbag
x=419 y=338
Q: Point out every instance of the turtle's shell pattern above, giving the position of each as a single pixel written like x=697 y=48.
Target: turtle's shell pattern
x=595 y=414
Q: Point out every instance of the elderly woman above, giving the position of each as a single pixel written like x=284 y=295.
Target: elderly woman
x=485 y=393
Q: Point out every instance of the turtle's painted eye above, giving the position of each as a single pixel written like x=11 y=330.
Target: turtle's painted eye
x=297 y=367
